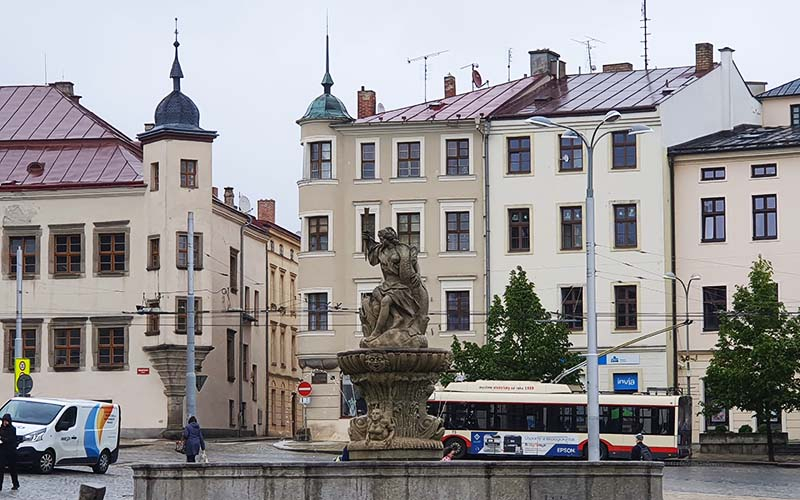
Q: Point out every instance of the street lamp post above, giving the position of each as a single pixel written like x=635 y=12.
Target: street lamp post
x=686 y=286
x=592 y=376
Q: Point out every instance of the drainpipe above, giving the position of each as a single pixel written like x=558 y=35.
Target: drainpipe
x=673 y=265
x=486 y=211
x=266 y=337
x=241 y=326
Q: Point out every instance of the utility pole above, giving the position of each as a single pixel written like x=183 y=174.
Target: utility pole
x=18 y=332
x=191 y=377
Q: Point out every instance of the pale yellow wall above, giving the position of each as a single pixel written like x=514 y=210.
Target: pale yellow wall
x=775 y=110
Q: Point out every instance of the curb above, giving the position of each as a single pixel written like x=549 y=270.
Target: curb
x=728 y=463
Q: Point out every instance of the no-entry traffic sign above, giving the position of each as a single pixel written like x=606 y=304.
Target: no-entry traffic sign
x=304 y=389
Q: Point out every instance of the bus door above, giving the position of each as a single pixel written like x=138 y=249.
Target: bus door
x=684 y=423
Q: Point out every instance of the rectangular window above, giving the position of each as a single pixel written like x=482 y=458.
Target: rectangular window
x=245 y=361
x=625 y=226
x=183 y=248
x=28 y=347
x=321 y=160
x=571 y=154
x=318 y=234
x=154 y=180
x=188 y=173
x=67 y=254
x=247 y=299
x=29 y=250
x=458 y=311
x=67 y=348
x=408 y=228
x=519 y=155
x=282 y=347
x=765 y=170
x=519 y=230
x=367 y=225
x=794 y=112
x=111 y=252
x=625 y=307
x=713 y=219
x=571 y=228
x=367 y=160
x=256 y=305
x=408 y=159
x=317 y=311
x=624 y=150
x=572 y=307
x=714 y=302
x=457 y=231
x=457 y=156
x=230 y=355
x=153 y=253
x=233 y=271
x=712 y=174
x=181 y=315
x=153 y=319
x=111 y=348
x=254 y=384
x=232 y=413
x=720 y=418
x=765 y=217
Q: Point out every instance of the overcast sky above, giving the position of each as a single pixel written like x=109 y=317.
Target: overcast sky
x=253 y=67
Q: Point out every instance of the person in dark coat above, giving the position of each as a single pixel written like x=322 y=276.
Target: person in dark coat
x=8 y=451
x=193 y=440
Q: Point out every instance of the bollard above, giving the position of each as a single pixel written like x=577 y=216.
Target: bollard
x=92 y=492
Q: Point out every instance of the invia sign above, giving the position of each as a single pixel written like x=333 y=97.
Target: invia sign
x=626 y=382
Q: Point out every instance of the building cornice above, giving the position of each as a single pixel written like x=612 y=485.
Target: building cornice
x=8 y=193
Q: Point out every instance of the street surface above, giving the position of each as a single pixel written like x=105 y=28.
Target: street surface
x=680 y=483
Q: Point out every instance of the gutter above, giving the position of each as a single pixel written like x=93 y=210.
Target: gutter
x=673 y=265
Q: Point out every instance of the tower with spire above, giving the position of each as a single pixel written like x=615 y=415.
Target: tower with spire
x=326 y=107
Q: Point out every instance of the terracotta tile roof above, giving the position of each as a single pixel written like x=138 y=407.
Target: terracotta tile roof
x=785 y=90
x=741 y=138
x=76 y=147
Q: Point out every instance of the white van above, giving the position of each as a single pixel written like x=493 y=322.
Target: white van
x=65 y=432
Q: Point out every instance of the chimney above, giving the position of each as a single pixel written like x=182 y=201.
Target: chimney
x=544 y=61
x=703 y=57
x=562 y=68
x=266 y=208
x=617 y=67
x=366 y=103
x=214 y=190
x=449 y=85
x=756 y=87
x=229 y=196
x=149 y=126
x=66 y=88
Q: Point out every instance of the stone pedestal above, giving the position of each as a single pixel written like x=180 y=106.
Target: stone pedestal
x=396 y=384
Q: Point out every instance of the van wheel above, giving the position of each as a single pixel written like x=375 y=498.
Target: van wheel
x=102 y=464
x=47 y=461
x=458 y=445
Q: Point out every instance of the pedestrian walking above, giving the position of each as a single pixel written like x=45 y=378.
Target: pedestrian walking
x=449 y=453
x=8 y=451
x=193 y=440
x=640 y=451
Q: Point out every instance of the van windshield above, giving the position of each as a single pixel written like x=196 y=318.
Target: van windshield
x=31 y=412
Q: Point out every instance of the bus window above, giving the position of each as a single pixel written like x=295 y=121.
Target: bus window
x=635 y=419
x=534 y=418
x=561 y=418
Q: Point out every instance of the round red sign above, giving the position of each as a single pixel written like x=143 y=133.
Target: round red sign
x=304 y=389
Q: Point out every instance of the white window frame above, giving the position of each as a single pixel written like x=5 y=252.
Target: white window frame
x=363 y=285
x=307 y=159
x=357 y=174
x=374 y=208
x=399 y=207
x=456 y=284
x=456 y=206
x=304 y=331
x=421 y=177
x=443 y=158
x=304 y=233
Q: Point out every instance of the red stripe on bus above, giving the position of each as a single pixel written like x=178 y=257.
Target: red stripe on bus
x=654 y=449
x=448 y=436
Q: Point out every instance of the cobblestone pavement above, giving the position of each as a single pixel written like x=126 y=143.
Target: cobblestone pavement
x=680 y=483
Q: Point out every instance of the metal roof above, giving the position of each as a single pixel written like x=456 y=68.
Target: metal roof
x=40 y=124
x=594 y=93
x=478 y=103
x=785 y=90
x=741 y=138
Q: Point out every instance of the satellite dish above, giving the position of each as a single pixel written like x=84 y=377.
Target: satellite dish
x=244 y=204
x=381 y=109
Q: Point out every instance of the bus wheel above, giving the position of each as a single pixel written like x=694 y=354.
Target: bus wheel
x=458 y=445
x=603 y=452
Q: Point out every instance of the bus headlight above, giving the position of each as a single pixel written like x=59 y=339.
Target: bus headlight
x=34 y=436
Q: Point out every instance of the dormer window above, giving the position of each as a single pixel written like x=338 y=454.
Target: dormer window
x=794 y=112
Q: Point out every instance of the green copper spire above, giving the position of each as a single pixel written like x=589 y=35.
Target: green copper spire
x=327 y=106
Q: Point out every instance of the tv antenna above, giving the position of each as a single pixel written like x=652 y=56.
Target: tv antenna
x=424 y=59
x=646 y=34
x=508 y=65
x=588 y=43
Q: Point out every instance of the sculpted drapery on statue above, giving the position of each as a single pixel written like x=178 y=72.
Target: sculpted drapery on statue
x=395 y=314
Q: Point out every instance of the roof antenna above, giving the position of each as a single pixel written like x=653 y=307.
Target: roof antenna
x=425 y=64
x=589 y=46
x=646 y=34
x=508 y=65
x=45 y=68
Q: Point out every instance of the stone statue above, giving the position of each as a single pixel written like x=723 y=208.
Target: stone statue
x=396 y=313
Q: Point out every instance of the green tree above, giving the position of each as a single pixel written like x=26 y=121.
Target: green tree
x=757 y=357
x=522 y=343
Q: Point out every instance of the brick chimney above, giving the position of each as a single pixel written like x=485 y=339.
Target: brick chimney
x=544 y=61
x=449 y=85
x=704 y=57
x=266 y=208
x=229 y=196
x=68 y=89
x=617 y=67
x=366 y=103
x=215 y=192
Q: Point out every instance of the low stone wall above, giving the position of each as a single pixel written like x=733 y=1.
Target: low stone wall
x=462 y=480
x=739 y=444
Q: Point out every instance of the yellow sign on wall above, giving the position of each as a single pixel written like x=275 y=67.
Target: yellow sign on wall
x=21 y=365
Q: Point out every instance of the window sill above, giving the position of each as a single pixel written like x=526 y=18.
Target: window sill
x=626 y=330
x=458 y=254
x=66 y=368
x=457 y=333
x=624 y=169
x=571 y=250
x=526 y=251
x=625 y=249
x=764 y=240
x=319 y=182
x=231 y=379
x=367 y=181
x=518 y=174
x=111 y=274
x=713 y=242
x=152 y=334
x=183 y=332
x=153 y=268
x=185 y=268
x=402 y=180
x=577 y=171
x=308 y=255
x=453 y=178
x=24 y=276
x=67 y=276
x=314 y=333
x=110 y=368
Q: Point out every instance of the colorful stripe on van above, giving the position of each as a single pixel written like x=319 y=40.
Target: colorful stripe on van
x=93 y=430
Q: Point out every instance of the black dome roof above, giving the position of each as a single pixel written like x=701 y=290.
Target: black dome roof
x=177 y=110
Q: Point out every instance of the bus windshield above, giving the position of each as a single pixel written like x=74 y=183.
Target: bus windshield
x=31 y=412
